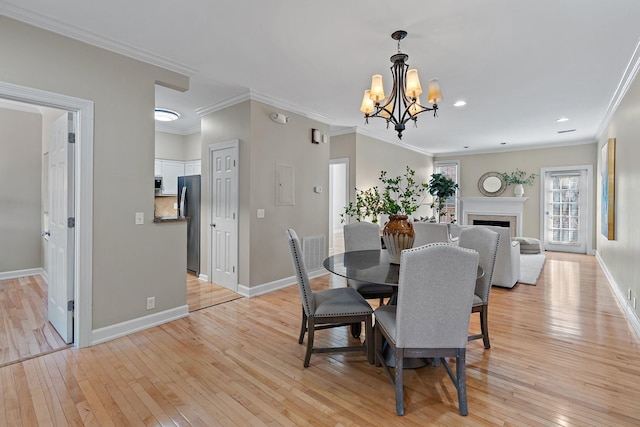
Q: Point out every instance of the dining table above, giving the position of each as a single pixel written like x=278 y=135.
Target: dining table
x=374 y=266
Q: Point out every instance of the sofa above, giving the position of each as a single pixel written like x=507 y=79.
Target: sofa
x=507 y=270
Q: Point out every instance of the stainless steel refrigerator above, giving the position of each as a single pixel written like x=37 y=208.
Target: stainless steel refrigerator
x=189 y=205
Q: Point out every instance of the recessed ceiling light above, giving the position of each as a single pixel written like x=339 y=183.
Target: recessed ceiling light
x=503 y=143
x=459 y=104
x=164 y=115
x=466 y=146
x=562 y=119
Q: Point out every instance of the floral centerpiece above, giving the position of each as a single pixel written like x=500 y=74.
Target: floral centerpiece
x=401 y=196
x=519 y=178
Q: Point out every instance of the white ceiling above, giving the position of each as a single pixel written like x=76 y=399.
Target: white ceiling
x=519 y=65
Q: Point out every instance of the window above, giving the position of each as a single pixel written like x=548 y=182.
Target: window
x=449 y=169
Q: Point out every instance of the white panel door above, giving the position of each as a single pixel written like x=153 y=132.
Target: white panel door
x=224 y=218
x=566 y=207
x=60 y=286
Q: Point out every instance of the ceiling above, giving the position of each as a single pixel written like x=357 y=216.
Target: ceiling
x=519 y=65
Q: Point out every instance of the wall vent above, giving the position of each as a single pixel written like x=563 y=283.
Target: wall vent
x=313 y=251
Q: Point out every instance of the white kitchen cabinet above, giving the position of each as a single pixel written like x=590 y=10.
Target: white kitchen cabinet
x=192 y=167
x=171 y=170
x=157 y=167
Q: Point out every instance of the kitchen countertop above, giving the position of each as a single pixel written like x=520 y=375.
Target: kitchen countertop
x=161 y=219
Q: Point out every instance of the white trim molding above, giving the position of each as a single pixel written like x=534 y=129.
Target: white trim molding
x=631 y=315
x=139 y=324
x=4 y=275
x=265 y=288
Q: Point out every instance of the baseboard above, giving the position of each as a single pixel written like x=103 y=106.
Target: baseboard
x=626 y=305
x=203 y=277
x=21 y=273
x=130 y=326
x=265 y=288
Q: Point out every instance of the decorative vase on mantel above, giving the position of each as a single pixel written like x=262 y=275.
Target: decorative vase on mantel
x=518 y=190
x=397 y=235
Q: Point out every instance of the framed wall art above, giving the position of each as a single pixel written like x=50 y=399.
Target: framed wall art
x=608 y=189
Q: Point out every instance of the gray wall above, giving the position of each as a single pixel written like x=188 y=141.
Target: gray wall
x=130 y=262
x=622 y=254
x=20 y=190
x=170 y=146
x=263 y=252
x=473 y=166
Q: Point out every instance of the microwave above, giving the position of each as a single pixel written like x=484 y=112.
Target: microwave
x=158 y=184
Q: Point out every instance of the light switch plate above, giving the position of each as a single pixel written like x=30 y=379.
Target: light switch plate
x=139 y=218
x=260 y=213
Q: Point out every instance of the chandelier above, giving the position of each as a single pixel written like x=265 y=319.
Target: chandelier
x=403 y=104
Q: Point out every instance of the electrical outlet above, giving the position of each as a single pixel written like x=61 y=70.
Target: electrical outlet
x=151 y=303
x=139 y=218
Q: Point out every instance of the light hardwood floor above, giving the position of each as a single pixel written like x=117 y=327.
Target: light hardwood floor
x=201 y=294
x=562 y=354
x=25 y=330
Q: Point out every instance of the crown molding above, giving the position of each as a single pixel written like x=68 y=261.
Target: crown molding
x=265 y=99
x=519 y=148
x=161 y=127
x=88 y=37
x=627 y=78
x=390 y=140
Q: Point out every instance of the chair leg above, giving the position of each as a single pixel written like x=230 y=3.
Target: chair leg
x=369 y=340
x=484 y=326
x=310 y=330
x=378 y=350
x=303 y=327
x=356 y=329
x=461 y=377
x=398 y=381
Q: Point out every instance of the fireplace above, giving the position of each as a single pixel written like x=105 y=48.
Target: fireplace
x=500 y=211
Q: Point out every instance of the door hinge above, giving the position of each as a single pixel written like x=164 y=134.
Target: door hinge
x=71 y=305
x=71 y=222
x=234 y=163
x=72 y=138
x=234 y=215
x=233 y=269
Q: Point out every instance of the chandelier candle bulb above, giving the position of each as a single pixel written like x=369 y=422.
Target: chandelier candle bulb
x=435 y=95
x=367 y=103
x=413 y=84
x=377 y=89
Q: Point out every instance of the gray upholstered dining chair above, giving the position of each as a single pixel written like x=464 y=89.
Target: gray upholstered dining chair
x=364 y=236
x=485 y=242
x=431 y=319
x=429 y=232
x=328 y=308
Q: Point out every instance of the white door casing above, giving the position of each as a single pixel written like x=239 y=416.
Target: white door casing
x=566 y=219
x=83 y=184
x=61 y=240
x=223 y=224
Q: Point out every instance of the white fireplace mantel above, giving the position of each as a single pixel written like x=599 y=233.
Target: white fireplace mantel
x=506 y=206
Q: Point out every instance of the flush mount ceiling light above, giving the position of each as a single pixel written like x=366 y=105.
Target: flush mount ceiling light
x=562 y=119
x=403 y=104
x=164 y=115
x=459 y=104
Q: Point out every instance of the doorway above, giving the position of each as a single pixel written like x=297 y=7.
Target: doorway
x=566 y=209
x=338 y=200
x=78 y=262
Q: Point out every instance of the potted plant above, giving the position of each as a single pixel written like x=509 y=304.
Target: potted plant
x=400 y=197
x=519 y=179
x=441 y=188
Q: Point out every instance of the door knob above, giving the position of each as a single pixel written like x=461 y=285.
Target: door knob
x=212 y=225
